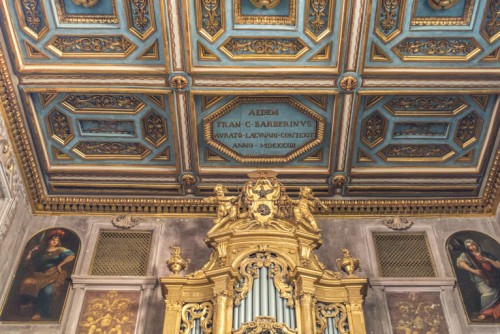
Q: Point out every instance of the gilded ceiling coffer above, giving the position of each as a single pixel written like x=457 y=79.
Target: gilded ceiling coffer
x=269 y=4
x=263 y=275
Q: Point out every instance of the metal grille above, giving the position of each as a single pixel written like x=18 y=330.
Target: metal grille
x=121 y=253
x=403 y=255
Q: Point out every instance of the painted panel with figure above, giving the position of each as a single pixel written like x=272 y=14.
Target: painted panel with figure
x=475 y=259
x=39 y=289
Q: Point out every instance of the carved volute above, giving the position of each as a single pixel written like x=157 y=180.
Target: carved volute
x=263 y=235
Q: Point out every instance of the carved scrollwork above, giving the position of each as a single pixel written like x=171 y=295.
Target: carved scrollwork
x=436 y=47
x=109 y=312
x=111 y=148
x=389 y=15
x=191 y=312
x=100 y=101
x=263 y=46
x=451 y=104
x=373 y=129
x=60 y=127
x=140 y=14
x=397 y=223
x=468 y=129
x=419 y=49
x=155 y=128
x=416 y=151
x=222 y=296
x=278 y=271
x=173 y=305
x=306 y=298
x=390 y=19
x=33 y=15
x=267 y=325
x=491 y=24
x=337 y=311
x=210 y=18
x=319 y=16
x=102 y=46
x=126 y=221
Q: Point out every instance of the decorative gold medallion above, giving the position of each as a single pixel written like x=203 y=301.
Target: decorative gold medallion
x=269 y=4
x=442 y=4
x=188 y=179
x=348 y=83
x=339 y=180
x=85 y=3
x=179 y=82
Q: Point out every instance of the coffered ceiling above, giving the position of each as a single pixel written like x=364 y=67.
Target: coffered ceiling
x=383 y=107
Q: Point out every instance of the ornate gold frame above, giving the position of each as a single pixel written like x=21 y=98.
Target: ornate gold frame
x=256 y=19
x=443 y=20
x=245 y=241
x=77 y=18
x=208 y=130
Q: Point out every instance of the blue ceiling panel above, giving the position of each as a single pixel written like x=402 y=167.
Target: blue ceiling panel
x=108 y=128
x=424 y=130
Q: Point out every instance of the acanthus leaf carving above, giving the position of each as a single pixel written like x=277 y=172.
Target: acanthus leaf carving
x=191 y=312
x=278 y=271
x=337 y=311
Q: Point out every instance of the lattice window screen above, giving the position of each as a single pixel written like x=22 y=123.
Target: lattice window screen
x=121 y=253
x=403 y=255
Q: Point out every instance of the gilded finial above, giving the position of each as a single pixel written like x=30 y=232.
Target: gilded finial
x=176 y=263
x=348 y=264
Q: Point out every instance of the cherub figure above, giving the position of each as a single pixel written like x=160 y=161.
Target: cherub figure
x=305 y=205
x=227 y=208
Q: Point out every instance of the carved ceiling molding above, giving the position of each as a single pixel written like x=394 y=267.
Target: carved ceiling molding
x=12 y=189
x=44 y=203
x=173 y=206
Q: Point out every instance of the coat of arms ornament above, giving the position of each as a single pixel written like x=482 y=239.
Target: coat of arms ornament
x=263 y=275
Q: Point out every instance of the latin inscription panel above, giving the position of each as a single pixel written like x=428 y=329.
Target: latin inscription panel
x=264 y=129
x=276 y=129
